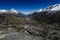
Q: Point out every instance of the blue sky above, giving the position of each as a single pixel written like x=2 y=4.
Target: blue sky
x=26 y=6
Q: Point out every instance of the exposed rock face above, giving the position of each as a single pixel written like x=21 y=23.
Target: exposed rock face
x=19 y=36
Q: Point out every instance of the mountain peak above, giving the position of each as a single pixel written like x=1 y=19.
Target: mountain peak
x=13 y=10
x=3 y=10
x=55 y=7
x=9 y=11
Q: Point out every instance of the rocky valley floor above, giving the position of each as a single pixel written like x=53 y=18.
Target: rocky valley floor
x=27 y=29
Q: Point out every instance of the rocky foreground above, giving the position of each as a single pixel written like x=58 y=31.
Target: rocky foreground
x=15 y=28
x=28 y=32
x=19 y=36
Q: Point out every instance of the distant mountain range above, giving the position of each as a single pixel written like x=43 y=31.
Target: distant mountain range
x=11 y=12
x=55 y=7
x=49 y=15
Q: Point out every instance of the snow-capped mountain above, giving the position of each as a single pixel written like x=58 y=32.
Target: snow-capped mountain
x=55 y=7
x=14 y=11
x=3 y=11
x=9 y=11
x=50 y=14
